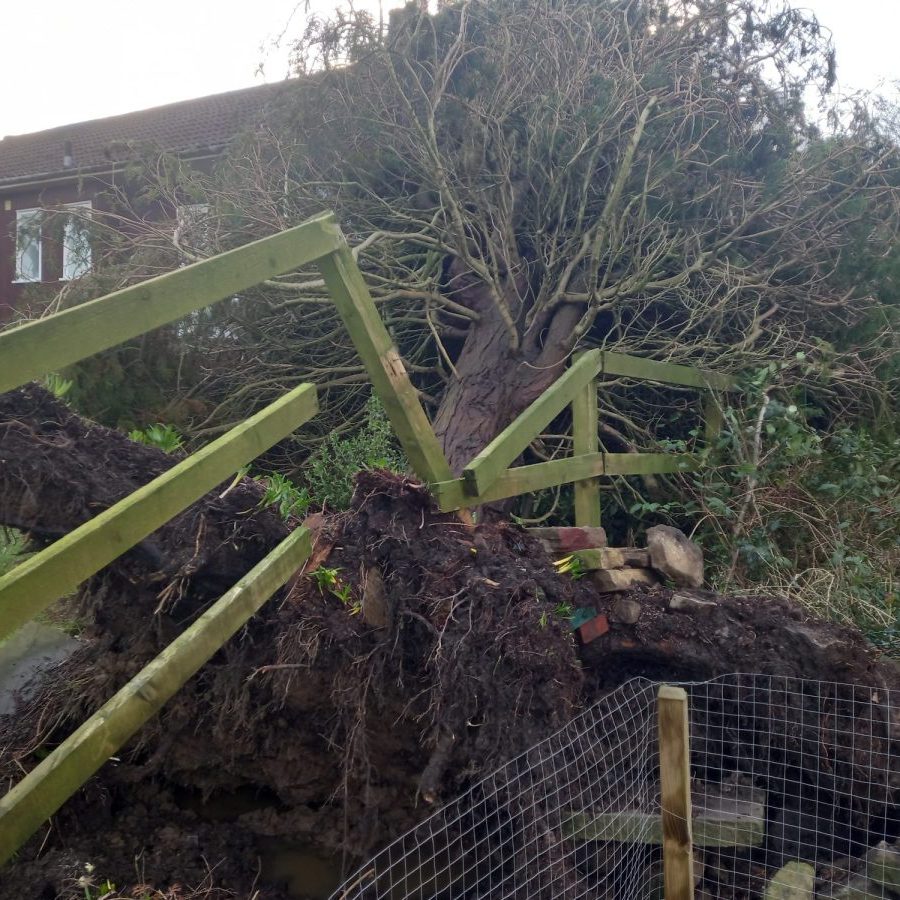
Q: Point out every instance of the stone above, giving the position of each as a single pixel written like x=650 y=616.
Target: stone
x=883 y=866
x=676 y=557
x=690 y=603
x=858 y=888
x=625 y=611
x=613 y=558
x=374 y=601
x=816 y=638
x=608 y=580
x=794 y=881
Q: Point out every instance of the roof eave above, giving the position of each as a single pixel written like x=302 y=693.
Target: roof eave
x=61 y=175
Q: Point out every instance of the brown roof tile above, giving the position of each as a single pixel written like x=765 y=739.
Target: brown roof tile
x=188 y=126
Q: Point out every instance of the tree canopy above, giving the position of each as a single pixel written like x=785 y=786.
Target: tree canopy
x=524 y=177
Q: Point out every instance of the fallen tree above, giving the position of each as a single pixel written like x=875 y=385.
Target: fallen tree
x=521 y=180
x=538 y=179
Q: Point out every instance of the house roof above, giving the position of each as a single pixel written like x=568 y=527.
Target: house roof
x=191 y=126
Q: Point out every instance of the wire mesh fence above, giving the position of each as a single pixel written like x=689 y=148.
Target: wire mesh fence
x=794 y=788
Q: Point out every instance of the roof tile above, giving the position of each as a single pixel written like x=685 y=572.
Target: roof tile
x=189 y=126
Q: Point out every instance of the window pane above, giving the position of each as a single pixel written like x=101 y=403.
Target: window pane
x=76 y=242
x=28 y=245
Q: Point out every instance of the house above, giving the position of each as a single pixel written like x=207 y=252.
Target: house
x=68 y=170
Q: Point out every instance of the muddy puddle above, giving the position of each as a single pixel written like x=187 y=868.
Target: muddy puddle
x=304 y=872
x=33 y=649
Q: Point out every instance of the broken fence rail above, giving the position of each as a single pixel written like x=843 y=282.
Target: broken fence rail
x=46 y=345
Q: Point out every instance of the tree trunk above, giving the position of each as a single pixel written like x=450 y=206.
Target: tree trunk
x=494 y=382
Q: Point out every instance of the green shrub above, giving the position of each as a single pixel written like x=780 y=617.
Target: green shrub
x=163 y=437
x=13 y=549
x=330 y=470
x=282 y=493
x=792 y=504
x=57 y=385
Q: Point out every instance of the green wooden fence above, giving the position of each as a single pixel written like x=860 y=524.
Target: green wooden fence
x=488 y=476
x=47 y=345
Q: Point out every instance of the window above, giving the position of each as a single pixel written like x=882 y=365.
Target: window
x=76 y=241
x=28 y=245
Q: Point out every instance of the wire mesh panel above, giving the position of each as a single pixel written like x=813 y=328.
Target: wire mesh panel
x=794 y=792
x=516 y=834
x=820 y=764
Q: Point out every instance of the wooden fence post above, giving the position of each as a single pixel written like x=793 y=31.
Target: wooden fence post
x=712 y=416
x=675 y=781
x=384 y=366
x=586 y=440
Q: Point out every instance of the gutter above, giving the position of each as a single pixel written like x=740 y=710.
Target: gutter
x=26 y=181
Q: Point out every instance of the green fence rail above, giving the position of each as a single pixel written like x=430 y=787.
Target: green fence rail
x=49 y=344
x=51 y=574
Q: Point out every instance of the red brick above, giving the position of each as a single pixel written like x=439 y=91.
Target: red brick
x=596 y=627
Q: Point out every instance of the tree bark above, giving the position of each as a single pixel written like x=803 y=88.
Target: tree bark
x=494 y=382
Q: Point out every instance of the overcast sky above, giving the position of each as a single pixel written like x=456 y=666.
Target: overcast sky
x=69 y=60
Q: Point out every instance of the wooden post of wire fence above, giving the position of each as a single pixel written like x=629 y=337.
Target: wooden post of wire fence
x=675 y=785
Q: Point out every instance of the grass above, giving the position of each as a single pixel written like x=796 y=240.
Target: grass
x=88 y=885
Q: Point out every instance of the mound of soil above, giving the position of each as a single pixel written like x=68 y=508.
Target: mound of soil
x=421 y=654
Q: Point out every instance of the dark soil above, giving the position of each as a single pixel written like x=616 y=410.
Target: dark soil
x=424 y=654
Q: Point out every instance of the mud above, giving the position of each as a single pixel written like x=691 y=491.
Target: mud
x=422 y=655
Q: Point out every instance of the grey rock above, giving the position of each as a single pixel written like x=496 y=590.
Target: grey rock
x=883 y=866
x=794 y=881
x=607 y=580
x=858 y=888
x=675 y=556
x=625 y=611
x=690 y=603
x=816 y=638
x=620 y=558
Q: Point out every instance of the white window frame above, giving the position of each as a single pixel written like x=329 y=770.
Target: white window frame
x=26 y=219
x=73 y=268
